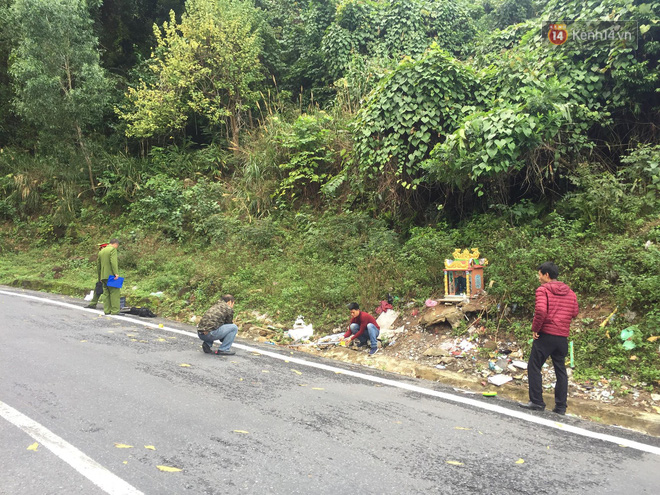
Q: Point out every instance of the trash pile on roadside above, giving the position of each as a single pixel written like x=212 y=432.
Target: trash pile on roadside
x=432 y=336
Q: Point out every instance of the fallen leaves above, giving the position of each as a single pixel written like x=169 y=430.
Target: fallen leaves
x=520 y=461
x=33 y=447
x=455 y=463
x=169 y=469
x=242 y=431
x=296 y=372
x=150 y=447
x=123 y=446
x=184 y=365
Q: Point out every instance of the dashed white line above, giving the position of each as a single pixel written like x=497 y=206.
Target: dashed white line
x=89 y=468
x=405 y=386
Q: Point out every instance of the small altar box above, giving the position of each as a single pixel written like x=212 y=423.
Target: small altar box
x=464 y=275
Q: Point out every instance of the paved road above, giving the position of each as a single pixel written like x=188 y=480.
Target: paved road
x=80 y=386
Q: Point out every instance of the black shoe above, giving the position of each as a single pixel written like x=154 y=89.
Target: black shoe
x=91 y=306
x=556 y=410
x=206 y=348
x=533 y=407
x=224 y=353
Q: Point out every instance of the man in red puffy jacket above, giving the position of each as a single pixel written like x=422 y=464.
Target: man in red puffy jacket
x=556 y=305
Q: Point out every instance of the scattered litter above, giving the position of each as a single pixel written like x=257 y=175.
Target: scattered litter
x=626 y=336
x=489 y=394
x=519 y=364
x=499 y=380
x=300 y=330
x=157 y=294
x=430 y=303
x=440 y=367
x=609 y=319
x=386 y=319
x=89 y=296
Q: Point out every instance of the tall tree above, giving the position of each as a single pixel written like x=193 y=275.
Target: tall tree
x=204 y=66
x=60 y=86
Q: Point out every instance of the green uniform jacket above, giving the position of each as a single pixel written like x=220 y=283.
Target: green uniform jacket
x=107 y=263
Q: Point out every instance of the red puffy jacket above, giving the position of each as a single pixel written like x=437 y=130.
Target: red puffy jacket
x=556 y=306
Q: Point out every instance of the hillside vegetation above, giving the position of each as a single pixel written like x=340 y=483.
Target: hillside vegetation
x=302 y=155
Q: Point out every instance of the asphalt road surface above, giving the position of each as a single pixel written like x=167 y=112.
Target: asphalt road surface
x=91 y=404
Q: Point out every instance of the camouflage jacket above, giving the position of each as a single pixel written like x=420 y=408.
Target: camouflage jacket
x=219 y=314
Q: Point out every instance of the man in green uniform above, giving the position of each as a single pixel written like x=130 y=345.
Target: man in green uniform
x=107 y=267
x=95 y=299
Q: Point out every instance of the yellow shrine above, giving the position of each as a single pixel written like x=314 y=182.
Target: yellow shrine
x=464 y=275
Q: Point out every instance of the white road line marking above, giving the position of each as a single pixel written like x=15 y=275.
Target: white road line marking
x=405 y=386
x=89 y=468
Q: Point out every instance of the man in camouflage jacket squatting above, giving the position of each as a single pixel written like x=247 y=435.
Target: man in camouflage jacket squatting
x=218 y=324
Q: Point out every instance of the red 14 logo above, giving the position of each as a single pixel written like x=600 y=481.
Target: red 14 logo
x=557 y=34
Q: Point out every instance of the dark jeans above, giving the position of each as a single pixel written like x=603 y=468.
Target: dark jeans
x=557 y=348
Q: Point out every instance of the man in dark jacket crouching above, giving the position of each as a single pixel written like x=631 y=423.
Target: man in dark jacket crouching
x=556 y=305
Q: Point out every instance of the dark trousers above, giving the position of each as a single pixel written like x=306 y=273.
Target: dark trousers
x=557 y=348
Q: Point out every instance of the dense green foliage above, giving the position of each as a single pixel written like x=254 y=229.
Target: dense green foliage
x=303 y=154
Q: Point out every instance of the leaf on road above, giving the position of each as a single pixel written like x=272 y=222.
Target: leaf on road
x=161 y=340
x=265 y=371
x=145 y=341
x=454 y=463
x=171 y=337
x=317 y=388
x=296 y=372
x=461 y=428
x=133 y=340
x=33 y=446
x=242 y=431
x=125 y=462
x=83 y=341
x=184 y=365
x=130 y=335
x=302 y=384
x=255 y=354
x=123 y=446
x=168 y=469
x=150 y=447
x=520 y=461
x=111 y=331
